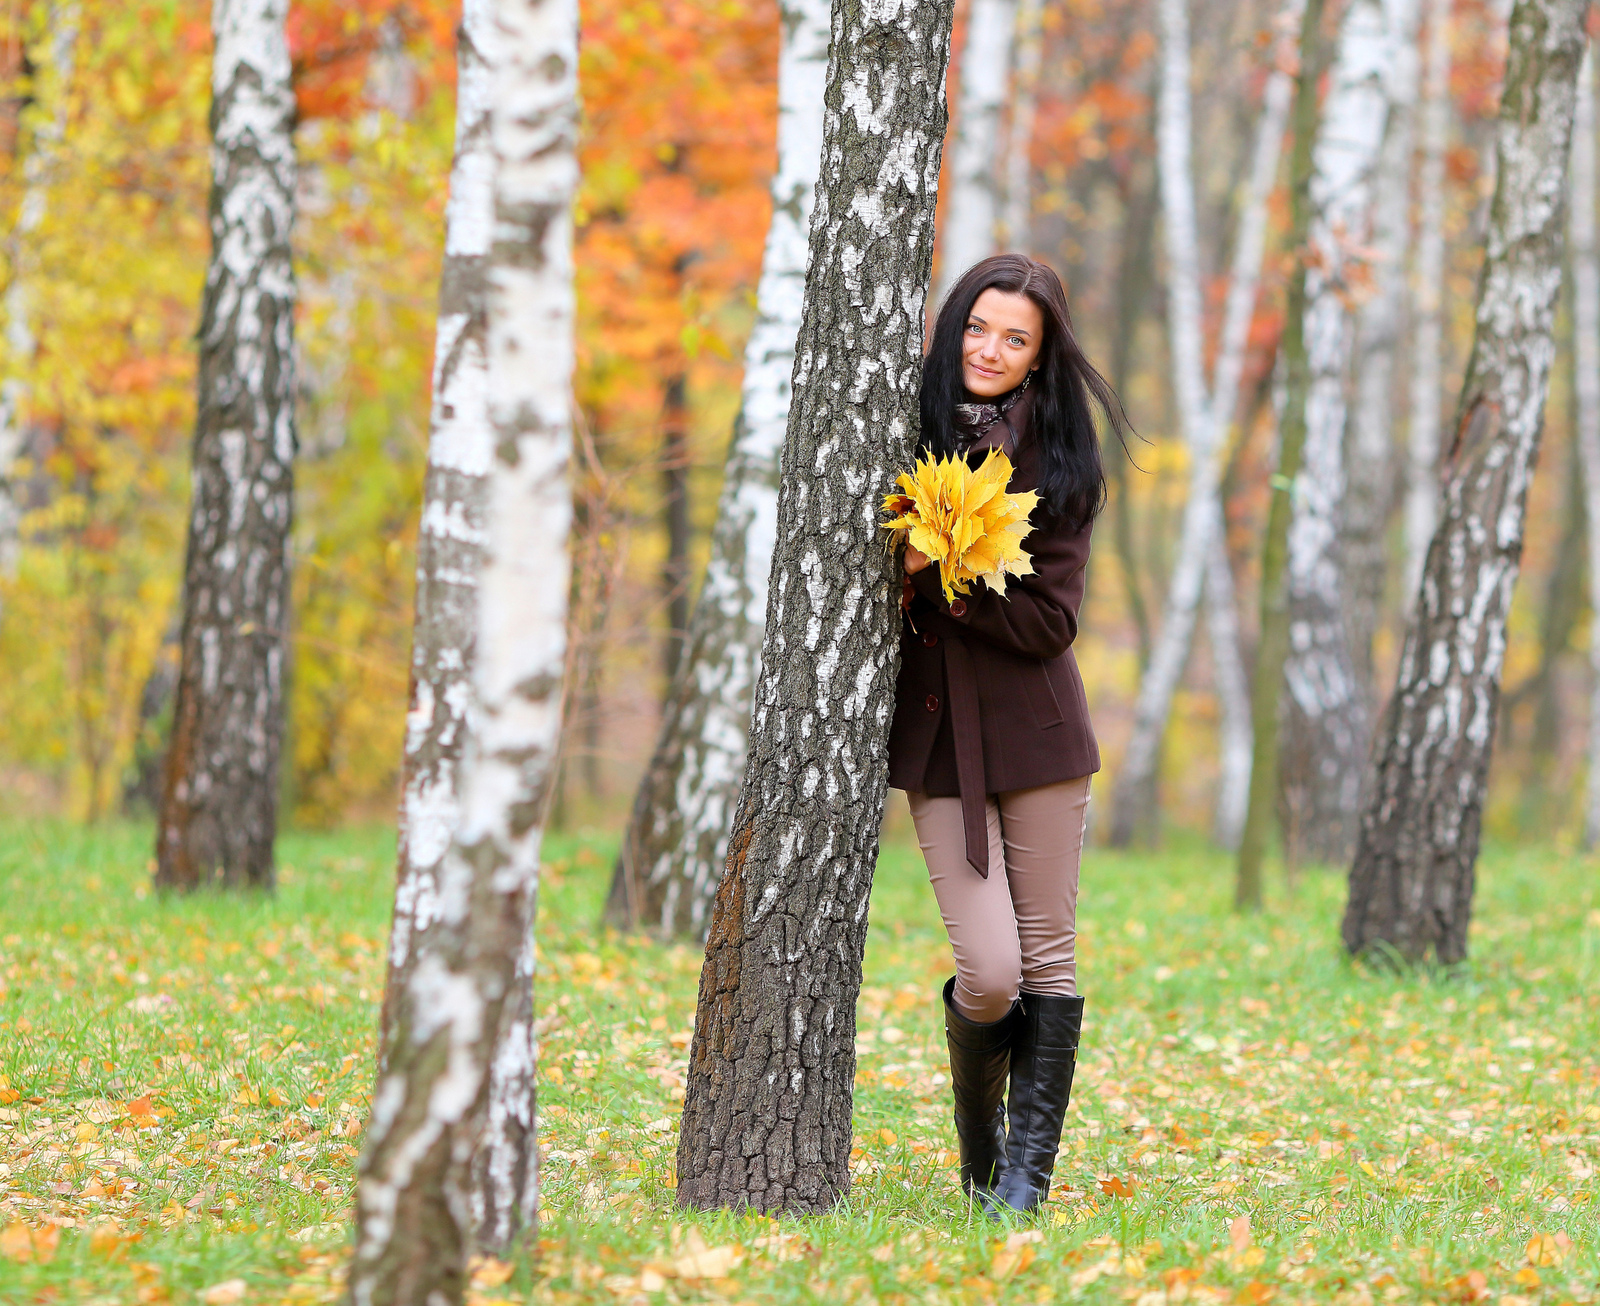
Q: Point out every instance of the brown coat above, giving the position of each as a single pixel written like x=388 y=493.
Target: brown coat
x=989 y=697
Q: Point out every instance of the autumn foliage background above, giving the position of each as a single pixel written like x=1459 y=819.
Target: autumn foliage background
x=679 y=102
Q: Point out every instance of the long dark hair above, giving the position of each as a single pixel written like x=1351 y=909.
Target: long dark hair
x=1064 y=391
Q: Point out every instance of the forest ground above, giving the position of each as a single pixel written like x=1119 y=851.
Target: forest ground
x=182 y=1087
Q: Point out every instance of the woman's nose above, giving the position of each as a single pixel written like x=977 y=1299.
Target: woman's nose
x=991 y=347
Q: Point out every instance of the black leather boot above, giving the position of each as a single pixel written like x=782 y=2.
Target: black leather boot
x=1044 y=1054
x=979 y=1058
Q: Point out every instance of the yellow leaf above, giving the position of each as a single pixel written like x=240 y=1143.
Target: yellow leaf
x=964 y=520
x=713 y=1263
x=1548 y=1249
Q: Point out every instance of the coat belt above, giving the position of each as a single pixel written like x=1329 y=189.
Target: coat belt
x=967 y=728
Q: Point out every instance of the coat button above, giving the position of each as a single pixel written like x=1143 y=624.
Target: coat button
x=930 y=639
x=932 y=703
x=958 y=608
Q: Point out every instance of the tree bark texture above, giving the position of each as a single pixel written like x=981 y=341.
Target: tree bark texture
x=1272 y=649
x=1018 y=221
x=1370 y=454
x=50 y=89
x=219 y=805
x=1411 y=885
x=449 y=555
x=416 y=1209
x=1206 y=416
x=1586 y=385
x=1325 y=721
x=972 y=208
x=677 y=837
x=1427 y=340
x=675 y=519
x=766 y=1120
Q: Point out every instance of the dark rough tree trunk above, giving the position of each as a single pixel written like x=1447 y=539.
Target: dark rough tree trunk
x=418 y=1206
x=449 y=555
x=766 y=1120
x=1411 y=885
x=219 y=805
x=677 y=839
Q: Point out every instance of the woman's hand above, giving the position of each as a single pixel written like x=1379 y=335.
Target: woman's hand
x=915 y=560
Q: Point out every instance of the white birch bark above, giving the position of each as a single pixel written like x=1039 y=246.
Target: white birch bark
x=972 y=214
x=1325 y=720
x=219 y=804
x=450 y=534
x=1206 y=417
x=1369 y=435
x=1411 y=883
x=1018 y=223
x=49 y=132
x=1586 y=383
x=1427 y=347
x=415 y=1208
x=677 y=839
x=449 y=554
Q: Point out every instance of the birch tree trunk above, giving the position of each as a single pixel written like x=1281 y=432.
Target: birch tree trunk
x=1273 y=646
x=1206 y=416
x=766 y=1120
x=51 y=86
x=677 y=837
x=1369 y=434
x=1411 y=885
x=972 y=211
x=415 y=1206
x=1018 y=223
x=1324 y=720
x=1586 y=368
x=1427 y=347
x=449 y=555
x=219 y=804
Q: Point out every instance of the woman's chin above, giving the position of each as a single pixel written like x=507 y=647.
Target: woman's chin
x=986 y=387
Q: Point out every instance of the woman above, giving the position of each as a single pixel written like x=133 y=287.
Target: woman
x=991 y=738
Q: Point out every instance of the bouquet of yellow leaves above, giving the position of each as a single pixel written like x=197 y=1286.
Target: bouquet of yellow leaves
x=964 y=520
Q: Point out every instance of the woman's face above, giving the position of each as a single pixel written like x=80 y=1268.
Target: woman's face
x=1001 y=344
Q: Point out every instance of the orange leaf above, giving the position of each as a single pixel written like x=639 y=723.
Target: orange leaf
x=1239 y=1234
x=1116 y=1187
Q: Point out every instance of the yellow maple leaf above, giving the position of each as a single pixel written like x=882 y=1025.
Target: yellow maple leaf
x=964 y=520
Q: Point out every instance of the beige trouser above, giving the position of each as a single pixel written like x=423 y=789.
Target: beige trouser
x=1017 y=930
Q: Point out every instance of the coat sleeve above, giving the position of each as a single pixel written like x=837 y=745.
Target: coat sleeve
x=1038 y=615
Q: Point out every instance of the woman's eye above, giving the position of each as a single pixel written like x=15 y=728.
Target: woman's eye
x=1015 y=342
x=974 y=328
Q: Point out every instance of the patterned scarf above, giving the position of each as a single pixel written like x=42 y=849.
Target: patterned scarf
x=972 y=420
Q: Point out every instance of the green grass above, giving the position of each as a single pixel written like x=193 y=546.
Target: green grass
x=1388 y=1137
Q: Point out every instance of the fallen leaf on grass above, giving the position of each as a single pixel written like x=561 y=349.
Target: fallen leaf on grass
x=1548 y=1249
x=782 y=1246
x=713 y=1263
x=1239 y=1235
x=225 y=1293
x=22 y=1244
x=1472 y=1286
x=487 y=1272
x=1116 y=1187
x=1015 y=1254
